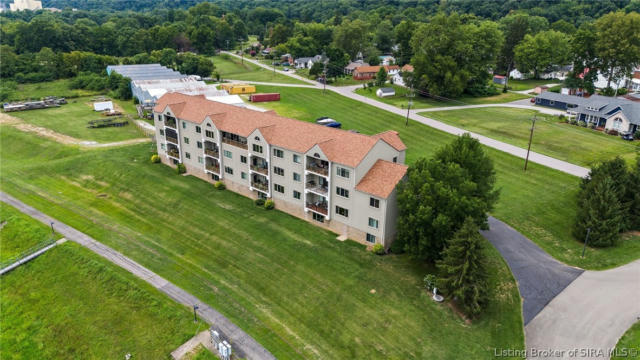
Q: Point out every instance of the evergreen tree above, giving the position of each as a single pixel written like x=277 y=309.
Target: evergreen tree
x=634 y=191
x=599 y=209
x=381 y=76
x=463 y=274
x=623 y=186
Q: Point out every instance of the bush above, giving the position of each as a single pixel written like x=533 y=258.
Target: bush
x=378 y=249
x=612 y=132
x=259 y=202
x=397 y=246
x=155 y=159
x=562 y=118
x=636 y=135
x=269 y=204
x=583 y=123
x=593 y=126
x=219 y=185
x=574 y=122
x=181 y=169
x=430 y=282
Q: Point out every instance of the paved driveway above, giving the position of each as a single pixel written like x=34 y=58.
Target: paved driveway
x=540 y=277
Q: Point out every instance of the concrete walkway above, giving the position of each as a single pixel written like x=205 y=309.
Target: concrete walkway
x=540 y=277
x=203 y=337
x=593 y=312
x=243 y=344
x=499 y=145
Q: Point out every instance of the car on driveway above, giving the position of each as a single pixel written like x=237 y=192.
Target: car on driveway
x=627 y=136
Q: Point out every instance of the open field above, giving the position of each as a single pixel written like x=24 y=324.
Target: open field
x=71 y=303
x=71 y=119
x=37 y=91
x=291 y=285
x=421 y=102
x=519 y=85
x=629 y=341
x=20 y=233
x=552 y=137
x=539 y=203
x=232 y=68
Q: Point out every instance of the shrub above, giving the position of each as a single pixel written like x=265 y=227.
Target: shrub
x=219 y=185
x=397 y=246
x=574 y=122
x=155 y=159
x=612 y=132
x=269 y=204
x=181 y=169
x=561 y=117
x=636 y=135
x=583 y=123
x=592 y=126
x=599 y=210
x=430 y=282
x=259 y=202
x=378 y=249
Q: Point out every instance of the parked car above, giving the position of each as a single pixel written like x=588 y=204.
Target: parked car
x=286 y=63
x=275 y=63
x=324 y=120
x=321 y=80
x=285 y=69
x=533 y=100
x=627 y=136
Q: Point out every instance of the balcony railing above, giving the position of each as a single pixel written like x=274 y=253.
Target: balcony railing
x=170 y=123
x=322 y=170
x=260 y=186
x=173 y=153
x=172 y=139
x=214 y=168
x=311 y=185
x=319 y=208
x=212 y=152
x=235 y=143
x=260 y=169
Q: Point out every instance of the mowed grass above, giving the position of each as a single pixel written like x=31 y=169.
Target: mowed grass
x=520 y=85
x=577 y=145
x=72 y=304
x=289 y=284
x=231 y=67
x=36 y=91
x=539 y=203
x=71 y=119
x=20 y=233
x=400 y=99
x=629 y=344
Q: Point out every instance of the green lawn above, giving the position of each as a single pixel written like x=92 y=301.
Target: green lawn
x=72 y=304
x=231 y=67
x=200 y=353
x=20 y=233
x=71 y=119
x=539 y=203
x=421 y=102
x=629 y=343
x=519 y=85
x=291 y=285
x=552 y=137
x=51 y=88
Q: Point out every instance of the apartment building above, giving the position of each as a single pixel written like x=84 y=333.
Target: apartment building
x=337 y=179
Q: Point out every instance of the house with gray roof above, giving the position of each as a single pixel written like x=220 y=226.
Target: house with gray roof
x=610 y=113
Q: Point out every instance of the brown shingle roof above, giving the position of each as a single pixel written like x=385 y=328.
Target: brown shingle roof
x=339 y=146
x=391 y=137
x=382 y=178
x=375 y=69
x=407 y=67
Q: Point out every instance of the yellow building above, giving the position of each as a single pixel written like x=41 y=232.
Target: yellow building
x=235 y=89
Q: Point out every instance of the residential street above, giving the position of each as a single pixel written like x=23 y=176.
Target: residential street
x=499 y=145
x=243 y=344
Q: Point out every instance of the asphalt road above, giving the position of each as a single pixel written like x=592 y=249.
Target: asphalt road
x=540 y=277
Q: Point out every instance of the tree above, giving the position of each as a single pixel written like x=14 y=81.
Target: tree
x=316 y=69
x=599 y=209
x=515 y=27
x=468 y=153
x=618 y=44
x=351 y=36
x=381 y=76
x=585 y=60
x=634 y=191
x=463 y=273
x=384 y=36
x=279 y=35
x=403 y=33
x=338 y=60
x=539 y=52
x=563 y=26
x=433 y=203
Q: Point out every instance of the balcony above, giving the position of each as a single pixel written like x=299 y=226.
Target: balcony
x=170 y=122
x=213 y=168
x=318 y=166
x=261 y=169
x=236 y=143
x=259 y=185
x=172 y=139
x=174 y=153
x=212 y=152
x=319 y=207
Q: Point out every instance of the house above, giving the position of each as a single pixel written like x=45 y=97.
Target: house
x=336 y=179
x=348 y=70
x=557 y=72
x=398 y=79
x=286 y=58
x=499 y=79
x=540 y=89
x=385 y=92
x=610 y=113
x=19 y=5
x=387 y=60
x=369 y=72
x=516 y=75
x=307 y=62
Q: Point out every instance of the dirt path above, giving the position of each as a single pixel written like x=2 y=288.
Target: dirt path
x=19 y=124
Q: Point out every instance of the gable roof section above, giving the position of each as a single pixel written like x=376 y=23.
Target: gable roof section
x=382 y=178
x=340 y=146
x=376 y=68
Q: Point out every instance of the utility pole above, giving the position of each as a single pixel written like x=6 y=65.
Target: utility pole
x=410 y=95
x=324 y=73
x=533 y=124
x=227 y=44
x=586 y=240
x=242 y=50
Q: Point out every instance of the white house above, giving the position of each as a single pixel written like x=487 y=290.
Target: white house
x=385 y=92
x=397 y=76
x=387 y=60
x=307 y=62
x=516 y=74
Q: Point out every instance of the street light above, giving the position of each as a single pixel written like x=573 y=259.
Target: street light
x=52 y=232
x=195 y=307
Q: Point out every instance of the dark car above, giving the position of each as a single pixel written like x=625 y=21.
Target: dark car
x=627 y=136
x=321 y=80
x=533 y=100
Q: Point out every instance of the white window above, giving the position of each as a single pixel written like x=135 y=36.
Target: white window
x=296 y=159
x=278 y=153
x=373 y=202
x=228 y=170
x=296 y=177
x=342 y=211
x=200 y=160
x=317 y=217
x=278 y=171
x=243 y=175
x=228 y=154
x=617 y=124
x=373 y=223
x=342 y=192
x=162 y=146
x=187 y=155
x=343 y=172
x=371 y=238
x=208 y=133
x=296 y=194
x=278 y=188
x=257 y=148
